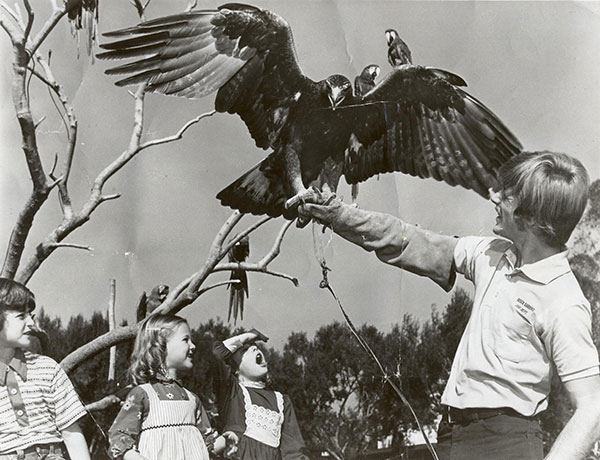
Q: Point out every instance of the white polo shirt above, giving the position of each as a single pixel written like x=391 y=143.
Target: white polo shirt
x=523 y=320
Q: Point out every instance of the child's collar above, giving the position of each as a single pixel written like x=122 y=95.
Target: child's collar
x=251 y=384
x=17 y=364
x=166 y=379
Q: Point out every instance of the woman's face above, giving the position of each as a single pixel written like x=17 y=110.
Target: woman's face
x=253 y=365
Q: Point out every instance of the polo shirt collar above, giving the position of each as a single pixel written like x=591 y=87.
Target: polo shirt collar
x=17 y=364
x=543 y=271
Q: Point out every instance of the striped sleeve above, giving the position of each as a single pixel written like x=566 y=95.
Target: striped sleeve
x=67 y=405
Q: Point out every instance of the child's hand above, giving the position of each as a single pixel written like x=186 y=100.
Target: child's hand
x=133 y=455
x=232 y=441
x=259 y=335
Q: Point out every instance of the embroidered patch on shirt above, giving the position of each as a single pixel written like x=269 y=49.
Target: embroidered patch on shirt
x=526 y=309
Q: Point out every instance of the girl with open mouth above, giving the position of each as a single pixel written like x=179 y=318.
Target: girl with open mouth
x=263 y=419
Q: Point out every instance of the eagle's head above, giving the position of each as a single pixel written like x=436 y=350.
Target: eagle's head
x=338 y=89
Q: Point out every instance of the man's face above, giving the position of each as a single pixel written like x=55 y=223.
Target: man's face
x=254 y=364
x=505 y=204
x=18 y=329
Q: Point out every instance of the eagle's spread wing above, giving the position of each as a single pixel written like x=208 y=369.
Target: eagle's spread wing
x=245 y=53
x=417 y=122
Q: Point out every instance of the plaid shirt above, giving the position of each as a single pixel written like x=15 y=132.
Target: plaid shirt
x=37 y=402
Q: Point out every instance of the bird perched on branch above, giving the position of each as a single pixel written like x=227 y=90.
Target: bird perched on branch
x=147 y=304
x=238 y=253
x=83 y=14
x=364 y=83
x=416 y=120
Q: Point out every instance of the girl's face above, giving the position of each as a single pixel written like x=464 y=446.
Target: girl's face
x=253 y=365
x=180 y=349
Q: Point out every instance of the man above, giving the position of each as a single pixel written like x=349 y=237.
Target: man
x=529 y=315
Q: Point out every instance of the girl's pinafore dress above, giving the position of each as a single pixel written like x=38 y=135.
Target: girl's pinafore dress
x=169 y=431
x=262 y=425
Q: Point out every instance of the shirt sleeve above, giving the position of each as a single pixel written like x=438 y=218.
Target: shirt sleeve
x=467 y=249
x=125 y=431
x=209 y=434
x=292 y=443
x=395 y=242
x=569 y=338
x=225 y=386
x=67 y=405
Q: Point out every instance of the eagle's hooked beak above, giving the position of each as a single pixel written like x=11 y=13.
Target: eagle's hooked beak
x=336 y=96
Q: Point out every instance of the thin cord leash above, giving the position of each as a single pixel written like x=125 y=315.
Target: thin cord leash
x=324 y=284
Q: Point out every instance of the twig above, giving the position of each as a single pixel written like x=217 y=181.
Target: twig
x=50 y=24
x=72 y=129
x=14 y=16
x=179 y=134
x=71 y=245
x=113 y=196
x=112 y=324
x=245 y=233
x=188 y=290
x=221 y=283
x=262 y=265
x=30 y=16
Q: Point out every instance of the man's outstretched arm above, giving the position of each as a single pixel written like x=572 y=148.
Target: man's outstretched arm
x=393 y=241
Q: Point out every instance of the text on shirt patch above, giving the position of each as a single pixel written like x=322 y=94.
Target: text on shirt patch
x=524 y=308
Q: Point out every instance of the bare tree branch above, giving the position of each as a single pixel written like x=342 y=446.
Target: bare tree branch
x=98 y=345
x=50 y=24
x=181 y=296
x=221 y=283
x=179 y=134
x=103 y=403
x=14 y=33
x=30 y=16
x=72 y=245
x=50 y=81
x=41 y=187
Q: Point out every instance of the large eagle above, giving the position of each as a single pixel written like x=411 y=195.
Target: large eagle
x=416 y=120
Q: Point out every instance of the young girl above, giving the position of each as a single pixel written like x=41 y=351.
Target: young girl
x=262 y=419
x=160 y=419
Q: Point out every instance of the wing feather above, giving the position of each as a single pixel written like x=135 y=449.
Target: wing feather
x=244 y=53
x=418 y=122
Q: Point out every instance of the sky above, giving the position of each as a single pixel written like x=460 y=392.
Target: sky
x=535 y=64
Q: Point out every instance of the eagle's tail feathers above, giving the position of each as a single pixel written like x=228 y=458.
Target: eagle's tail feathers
x=260 y=191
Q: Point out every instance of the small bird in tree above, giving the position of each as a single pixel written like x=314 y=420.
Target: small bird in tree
x=398 y=50
x=238 y=291
x=147 y=304
x=364 y=83
x=416 y=120
x=83 y=14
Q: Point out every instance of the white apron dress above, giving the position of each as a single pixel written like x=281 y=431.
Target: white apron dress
x=169 y=432
x=262 y=424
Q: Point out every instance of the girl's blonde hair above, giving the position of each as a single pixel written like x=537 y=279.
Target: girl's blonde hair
x=150 y=348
